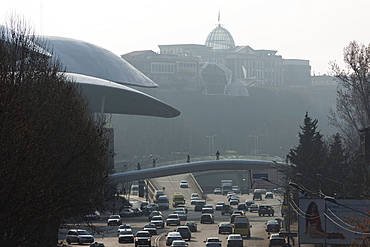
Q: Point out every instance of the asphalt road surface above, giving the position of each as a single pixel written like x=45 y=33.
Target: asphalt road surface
x=259 y=237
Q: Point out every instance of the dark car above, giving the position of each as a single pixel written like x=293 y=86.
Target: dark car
x=199 y=205
x=126 y=236
x=79 y=236
x=207 y=218
x=184 y=232
x=225 y=227
x=127 y=212
x=269 y=195
x=242 y=206
x=143 y=238
x=272 y=226
x=265 y=210
x=154 y=213
x=234 y=240
x=249 y=202
x=143 y=205
x=192 y=226
x=96 y=244
x=151 y=228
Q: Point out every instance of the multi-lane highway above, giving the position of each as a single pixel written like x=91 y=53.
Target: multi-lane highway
x=259 y=237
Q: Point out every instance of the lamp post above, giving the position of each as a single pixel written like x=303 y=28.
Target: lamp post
x=331 y=180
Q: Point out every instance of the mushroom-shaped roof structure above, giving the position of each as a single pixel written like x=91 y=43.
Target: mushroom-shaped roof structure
x=220 y=39
x=83 y=58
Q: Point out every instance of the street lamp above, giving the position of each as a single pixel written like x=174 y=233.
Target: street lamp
x=331 y=180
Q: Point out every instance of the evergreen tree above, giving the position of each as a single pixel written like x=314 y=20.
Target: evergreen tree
x=308 y=157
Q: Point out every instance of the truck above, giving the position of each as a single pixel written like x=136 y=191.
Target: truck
x=226 y=186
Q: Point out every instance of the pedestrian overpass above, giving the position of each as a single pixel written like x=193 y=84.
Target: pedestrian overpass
x=210 y=165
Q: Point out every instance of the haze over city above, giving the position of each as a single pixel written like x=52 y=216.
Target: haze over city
x=312 y=30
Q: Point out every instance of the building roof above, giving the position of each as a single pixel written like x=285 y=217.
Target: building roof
x=219 y=39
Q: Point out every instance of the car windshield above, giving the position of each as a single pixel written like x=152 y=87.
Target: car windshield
x=83 y=232
x=126 y=232
x=213 y=240
x=173 y=216
x=124 y=226
x=114 y=217
x=234 y=237
x=143 y=234
x=189 y=223
x=157 y=218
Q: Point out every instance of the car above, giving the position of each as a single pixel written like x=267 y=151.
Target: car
x=234 y=202
x=225 y=227
x=79 y=236
x=184 y=232
x=272 y=226
x=227 y=209
x=157 y=221
x=219 y=206
x=236 y=189
x=242 y=206
x=199 y=205
x=240 y=212
x=192 y=226
x=93 y=216
x=233 y=197
x=179 y=243
x=217 y=191
x=152 y=206
x=143 y=238
x=249 y=202
x=143 y=205
x=114 y=220
x=276 y=240
x=213 y=241
x=173 y=219
x=154 y=213
x=232 y=217
x=124 y=227
x=234 y=240
x=182 y=206
x=151 y=228
x=184 y=184
x=171 y=236
x=96 y=244
x=126 y=236
x=208 y=208
x=194 y=200
x=181 y=213
x=253 y=208
x=207 y=218
x=194 y=195
x=127 y=212
x=266 y=209
x=269 y=195
x=137 y=212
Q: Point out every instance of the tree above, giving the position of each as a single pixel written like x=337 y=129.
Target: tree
x=352 y=111
x=53 y=152
x=309 y=156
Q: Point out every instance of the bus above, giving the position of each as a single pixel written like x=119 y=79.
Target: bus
x=241 y=226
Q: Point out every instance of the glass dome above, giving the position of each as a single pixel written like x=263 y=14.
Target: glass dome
x=220 y=39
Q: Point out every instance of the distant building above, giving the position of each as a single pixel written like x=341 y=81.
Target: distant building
x=207 y=67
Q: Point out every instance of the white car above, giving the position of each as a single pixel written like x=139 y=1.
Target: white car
x=179 y=243
x=184 y=184
x=124 y=227
x=213 y=241
x=157 y=221
x=114 y=220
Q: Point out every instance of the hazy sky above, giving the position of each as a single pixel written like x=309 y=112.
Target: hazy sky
x=316 y=30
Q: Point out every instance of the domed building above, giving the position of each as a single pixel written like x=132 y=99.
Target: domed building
x=220 y=39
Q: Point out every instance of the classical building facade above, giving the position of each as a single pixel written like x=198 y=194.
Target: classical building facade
x=207 y=67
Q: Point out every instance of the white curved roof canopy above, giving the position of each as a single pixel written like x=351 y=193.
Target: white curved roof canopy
x=85 y=58
x=109 y=97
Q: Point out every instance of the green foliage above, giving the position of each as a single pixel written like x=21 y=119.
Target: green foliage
x=53 y=153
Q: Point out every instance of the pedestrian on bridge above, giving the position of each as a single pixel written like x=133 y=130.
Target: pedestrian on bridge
x=188 y=160
x=217 y=155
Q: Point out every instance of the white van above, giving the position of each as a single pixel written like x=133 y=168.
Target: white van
x=163 y=202
x=134 y=190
